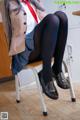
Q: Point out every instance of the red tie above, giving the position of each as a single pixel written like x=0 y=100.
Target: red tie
x=31 y=10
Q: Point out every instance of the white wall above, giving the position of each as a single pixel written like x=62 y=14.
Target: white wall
x=74 y=40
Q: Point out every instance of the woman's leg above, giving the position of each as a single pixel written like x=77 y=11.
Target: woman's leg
x=45 y=40
x=59 y=51
x=61 y=41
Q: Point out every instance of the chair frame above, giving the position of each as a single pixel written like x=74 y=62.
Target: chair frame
x=35 y=70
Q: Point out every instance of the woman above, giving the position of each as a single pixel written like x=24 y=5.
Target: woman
x=44 y=38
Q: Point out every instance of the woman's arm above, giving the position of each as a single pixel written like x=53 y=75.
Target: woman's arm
x=18 y=18
x=38 y=4
x=41 y=14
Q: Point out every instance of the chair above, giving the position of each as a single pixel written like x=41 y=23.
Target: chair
x=36 y=67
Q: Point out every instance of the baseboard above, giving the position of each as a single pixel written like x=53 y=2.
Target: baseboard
x=6 y=79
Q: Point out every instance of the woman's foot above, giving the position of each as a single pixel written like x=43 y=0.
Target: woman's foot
x=48 y=88
x=61 y=81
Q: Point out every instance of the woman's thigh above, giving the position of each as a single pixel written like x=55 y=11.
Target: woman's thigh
x=35 y=54
x=38 y=35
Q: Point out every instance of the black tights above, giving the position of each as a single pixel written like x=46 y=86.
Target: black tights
x=50 y=39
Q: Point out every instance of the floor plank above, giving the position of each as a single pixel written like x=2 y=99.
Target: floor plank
x=29 y=109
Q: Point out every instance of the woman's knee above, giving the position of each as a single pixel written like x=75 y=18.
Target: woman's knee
x=52 y=20
x=62 y=16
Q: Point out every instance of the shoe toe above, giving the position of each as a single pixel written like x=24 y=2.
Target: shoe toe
x=51 y=91
x=62 y=82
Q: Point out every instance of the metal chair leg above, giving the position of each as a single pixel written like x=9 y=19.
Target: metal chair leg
x=67 y=75
x=43 y=106
x=73 y=98
x=17 y=89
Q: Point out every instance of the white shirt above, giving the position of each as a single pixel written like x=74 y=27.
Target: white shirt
x=31 y=23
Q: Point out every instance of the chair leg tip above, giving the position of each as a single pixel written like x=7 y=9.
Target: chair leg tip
x=45 y=113
x=18 y=101
x=73 y=99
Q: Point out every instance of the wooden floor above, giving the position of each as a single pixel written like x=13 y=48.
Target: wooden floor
x=29 y=109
